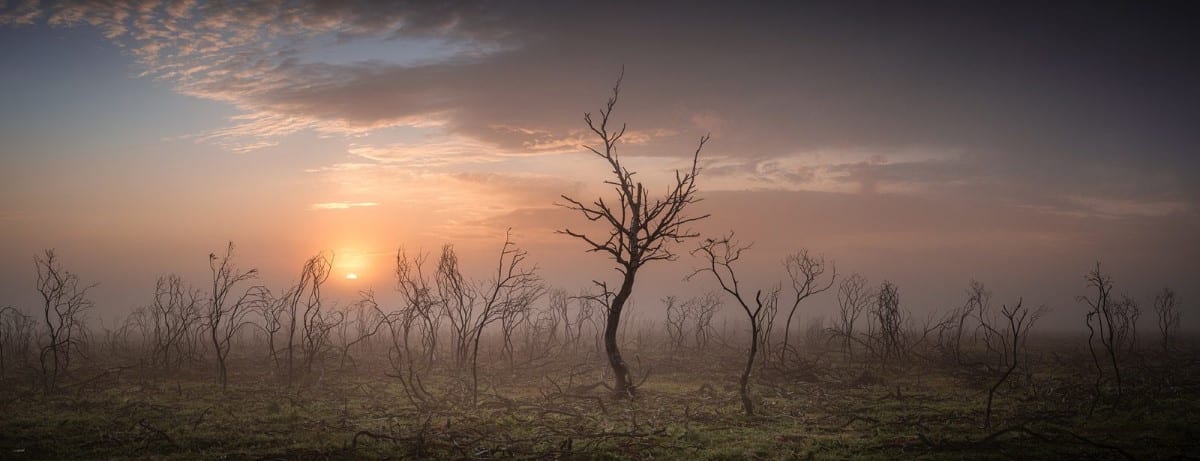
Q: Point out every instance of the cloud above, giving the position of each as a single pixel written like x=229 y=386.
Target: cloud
x=447 y=203
x=24 y=12
x=487 y=80
x=251 y=55
x=342 y=205
x=431 y=153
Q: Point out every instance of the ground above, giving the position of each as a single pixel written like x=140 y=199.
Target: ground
x=826 y=406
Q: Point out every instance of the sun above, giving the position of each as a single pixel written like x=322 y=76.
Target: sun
x=351 y=276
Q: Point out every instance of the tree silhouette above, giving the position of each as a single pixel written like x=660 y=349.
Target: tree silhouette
x=805 y=272
x=639 y=227
x=224 y=319
x=64 y=302
x=721 y=254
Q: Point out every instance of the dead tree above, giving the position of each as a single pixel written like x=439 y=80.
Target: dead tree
x=691 y=320
x=559 y=315
x=639 y=227
x=676 y=322
x=514 y=317
x=514 y=287
x=64 y=303
x=400 y=354
x=1127 y=311
x=558 y=307
x=1006 y=337
x=540 y=330
x=886 y=325
x=978 y=302
x=272 y=310
x=703 y=311
x=316 y=322
x=175 y=312
x=307 y=327
x=588 y=309
x=367 y=322
x=721 y=255
x=422 y=302
x=766 y=323
x=805 y=272
x=853 y=297
x=16 y=338
x=1166 y=307
x=1108 y=322
x=459 y=300
x=225 y=317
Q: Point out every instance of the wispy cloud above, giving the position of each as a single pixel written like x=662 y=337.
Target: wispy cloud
x=256 y=56
x=24 y=12
x=431 y=153
x=342 y=205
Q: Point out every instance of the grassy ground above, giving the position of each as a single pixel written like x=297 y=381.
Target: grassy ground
x=686 y=409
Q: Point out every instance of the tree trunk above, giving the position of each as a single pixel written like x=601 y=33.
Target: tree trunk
x=622 y=386
x=220 y=357
x=787 y=333
x=987 y=418
x=475 y=368
x=744 y=382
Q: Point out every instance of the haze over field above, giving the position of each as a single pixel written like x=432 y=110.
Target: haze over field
x=927 y=145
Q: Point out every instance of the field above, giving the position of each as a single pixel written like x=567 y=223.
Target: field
x=821 y=404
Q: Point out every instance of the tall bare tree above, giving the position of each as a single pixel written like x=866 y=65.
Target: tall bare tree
x=174 y=313
x=513 y=288
x=272 y=309
x=639 y=227
x=1006 y=336
x=225 y=317
x=559 y=308
x=459 y=298
x=1166 y=306
x=721 y=254
x=307 y=329
x=853 y=297
x=805 y=271
x=422 y=302
x=978 y=303
x=1112 y=323
x=705 y=308
x=316 y=322
x=400 y=324
x=886 y=324
x=64 y=302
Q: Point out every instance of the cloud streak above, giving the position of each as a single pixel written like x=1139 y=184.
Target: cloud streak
x=342 y=205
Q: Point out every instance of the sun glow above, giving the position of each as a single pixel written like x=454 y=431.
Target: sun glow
x=352 y=263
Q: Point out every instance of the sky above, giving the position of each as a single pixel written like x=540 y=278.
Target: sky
x=926 y=143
